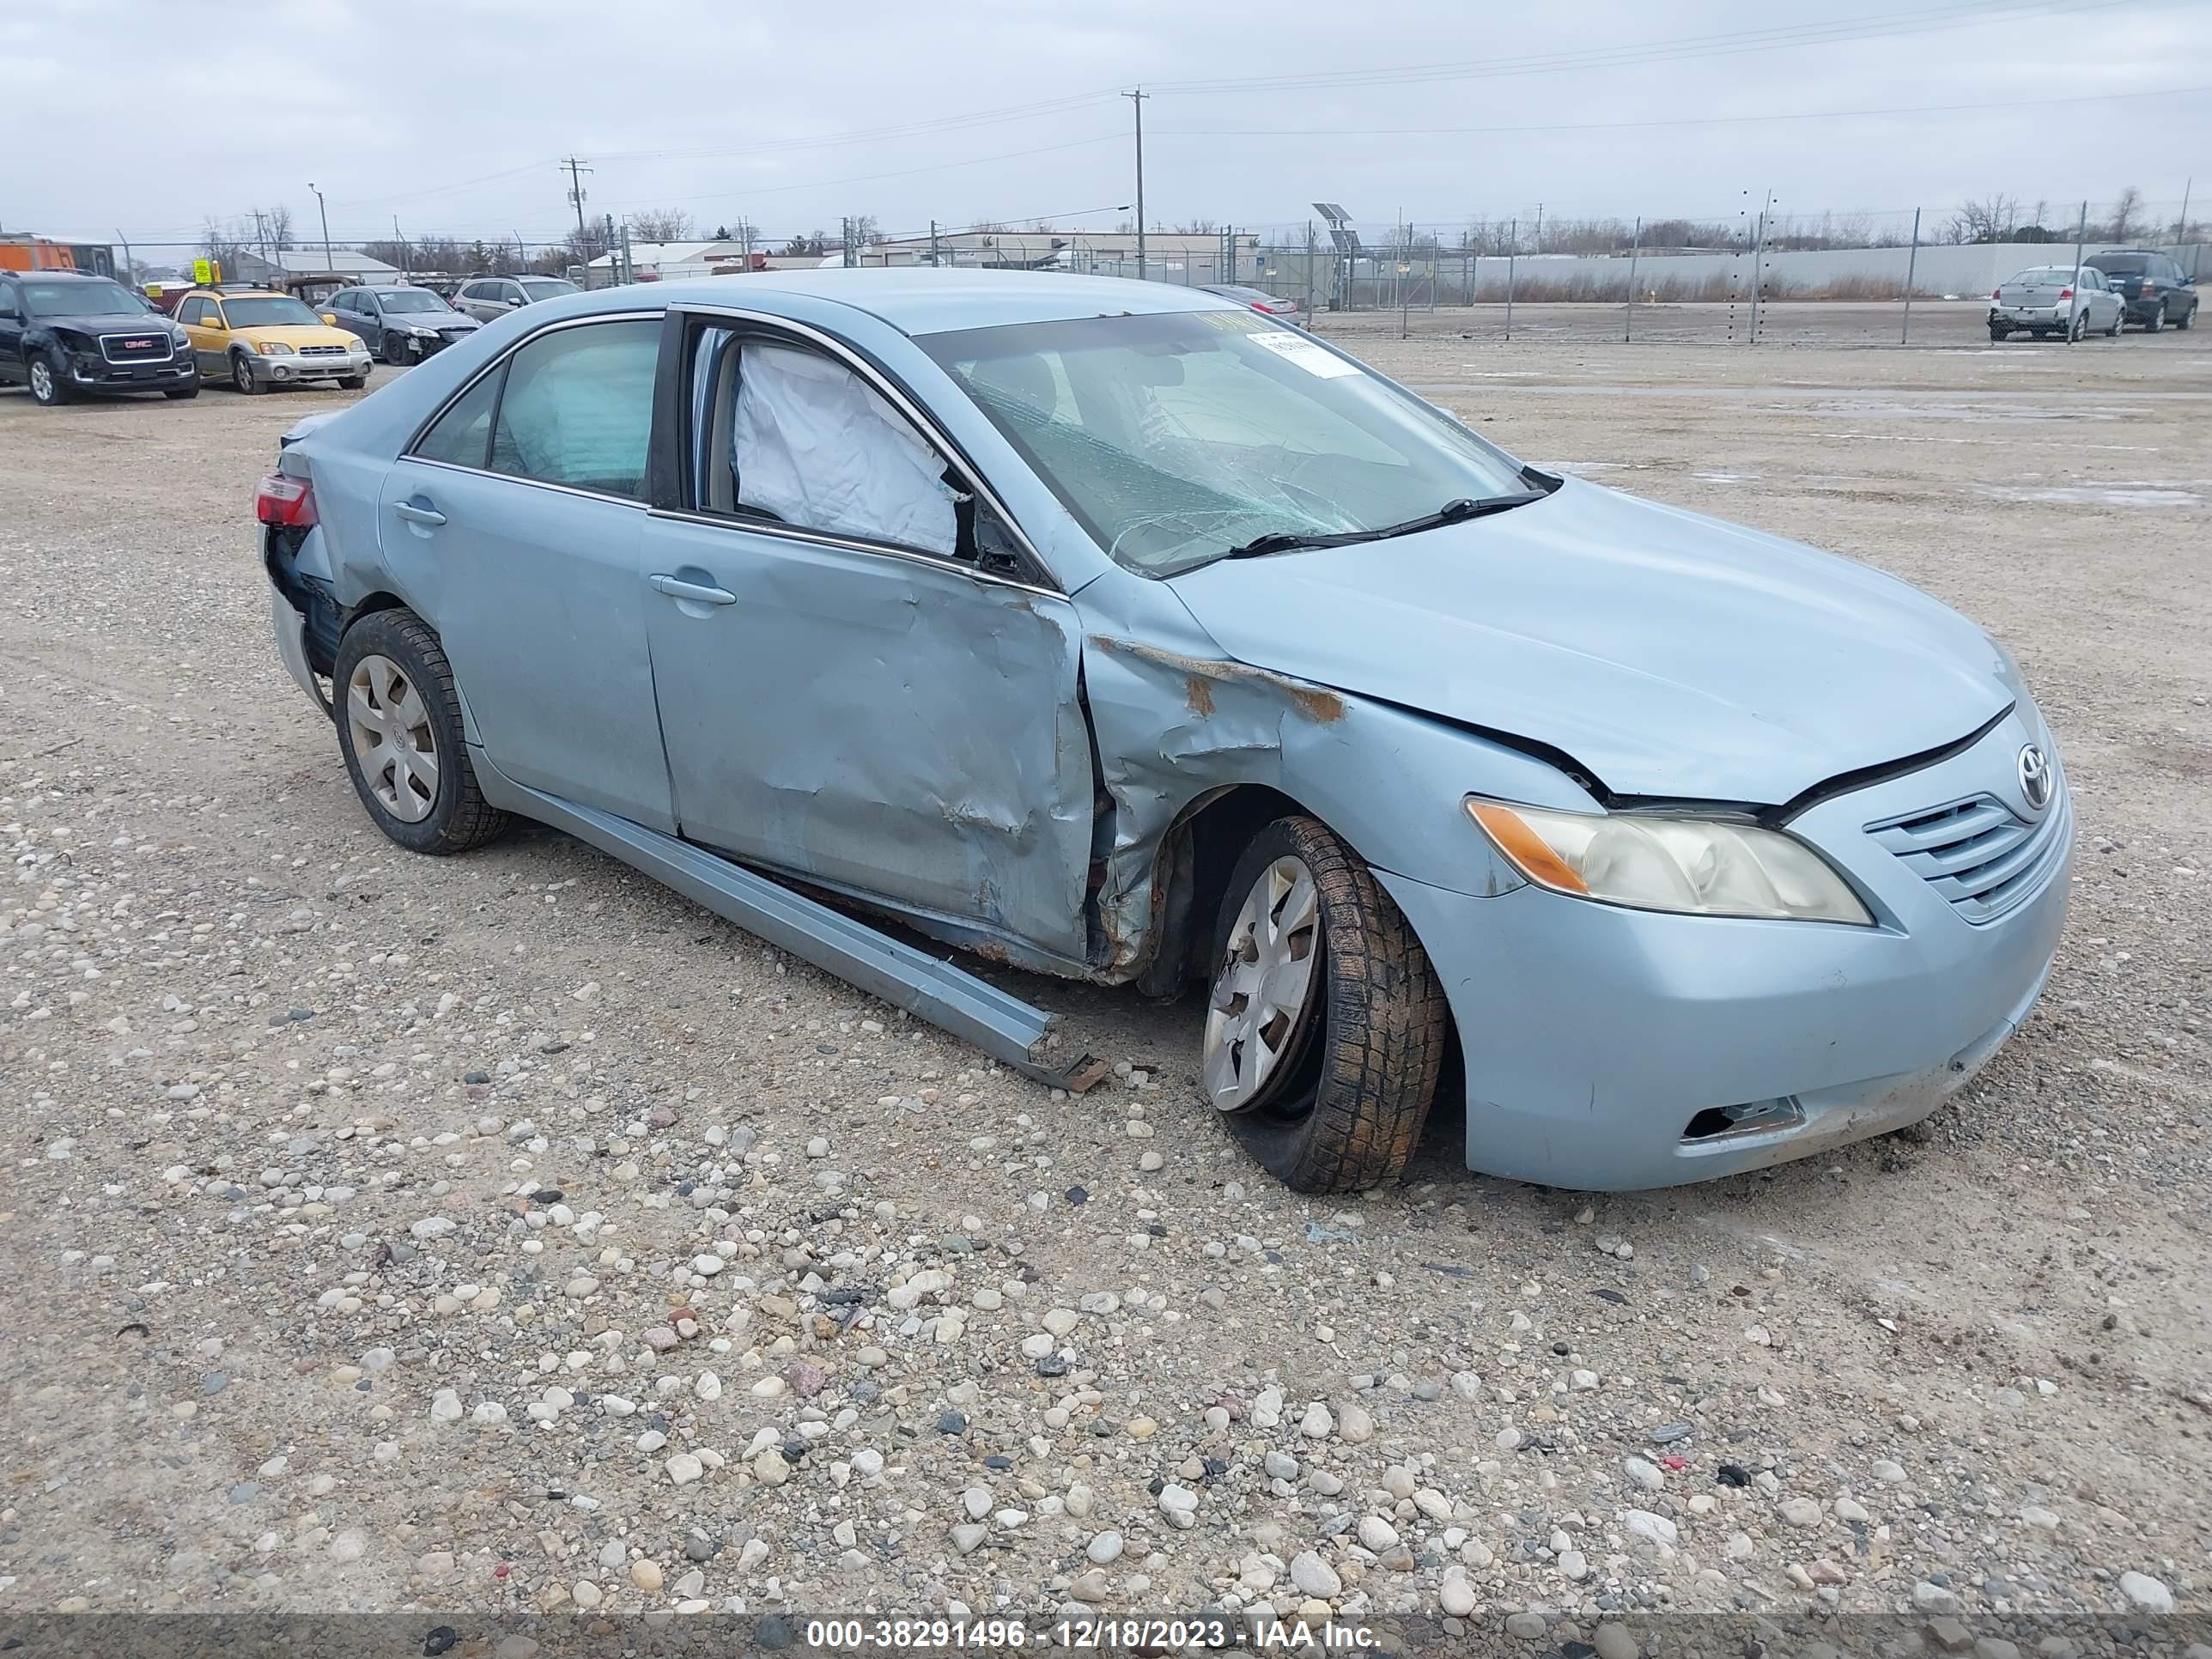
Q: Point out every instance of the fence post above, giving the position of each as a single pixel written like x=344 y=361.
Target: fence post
x=1912 y=266
x=1635 y=246
x=1310 y=273
x=1512 y=245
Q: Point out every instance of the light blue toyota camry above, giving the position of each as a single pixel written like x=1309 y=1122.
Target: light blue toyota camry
x=1114 y=631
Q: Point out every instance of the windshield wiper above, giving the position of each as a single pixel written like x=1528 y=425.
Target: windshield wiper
x=1458 y=512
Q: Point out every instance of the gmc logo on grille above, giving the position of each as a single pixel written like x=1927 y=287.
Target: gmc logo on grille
x=137 y=345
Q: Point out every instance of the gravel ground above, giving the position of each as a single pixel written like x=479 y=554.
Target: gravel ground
x=503 y=1233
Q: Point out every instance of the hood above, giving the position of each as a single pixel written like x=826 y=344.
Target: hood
x=110 y=324
x=1669 y=653
x=444 y=322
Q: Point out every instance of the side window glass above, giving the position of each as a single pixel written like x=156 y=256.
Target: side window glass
x=812 y=444
x=462 y=435
x=577 y=408
x=8 y=307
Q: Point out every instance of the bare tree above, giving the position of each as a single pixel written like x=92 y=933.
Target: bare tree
x=661 y=225
x=1989 y=219
x=2127 y=210
x=222 y=243
x=276 y=226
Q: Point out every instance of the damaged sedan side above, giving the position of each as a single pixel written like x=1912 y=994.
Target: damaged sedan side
x=1102 y=629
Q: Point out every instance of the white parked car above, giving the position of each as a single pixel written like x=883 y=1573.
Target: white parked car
x=2047 y=300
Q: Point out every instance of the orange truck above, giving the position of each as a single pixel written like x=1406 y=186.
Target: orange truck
x=19 y=251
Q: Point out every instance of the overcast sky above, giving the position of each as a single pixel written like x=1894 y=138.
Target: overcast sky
x=124 y=114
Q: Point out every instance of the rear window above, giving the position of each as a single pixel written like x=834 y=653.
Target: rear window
x=2043 y=276
x=2122 y=264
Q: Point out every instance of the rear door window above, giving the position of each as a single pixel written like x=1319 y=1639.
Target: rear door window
x=462 y=435
x=577 y=410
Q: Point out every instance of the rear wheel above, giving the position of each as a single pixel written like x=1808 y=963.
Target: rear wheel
x=399 y=727
x=1325 y=1024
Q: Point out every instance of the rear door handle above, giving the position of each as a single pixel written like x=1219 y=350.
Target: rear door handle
x=414 y=514
x=675 y=588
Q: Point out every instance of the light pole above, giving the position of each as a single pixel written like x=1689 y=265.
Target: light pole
x=1137 y=102
x=323 y=209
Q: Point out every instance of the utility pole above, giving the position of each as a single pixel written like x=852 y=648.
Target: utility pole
x=1512 y=247
x=1537 y=246
x=1137 y=102
x=2181 y=225
x=127 y=262
x=260 y=238
x=406 y=264
x=934 y=261
x=576 y=169
x=1759 y=264
x=329 y=263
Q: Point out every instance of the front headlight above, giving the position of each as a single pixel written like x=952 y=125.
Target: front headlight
x=422 y=333
x=273 y=348
x=1694 y=867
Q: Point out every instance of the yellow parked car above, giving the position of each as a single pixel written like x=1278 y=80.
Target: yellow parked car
x=255 y=340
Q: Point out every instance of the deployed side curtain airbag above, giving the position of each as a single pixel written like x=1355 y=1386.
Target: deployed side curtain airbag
x=814 y=445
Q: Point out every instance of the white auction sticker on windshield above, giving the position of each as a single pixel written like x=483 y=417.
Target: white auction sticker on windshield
x=1295 y=348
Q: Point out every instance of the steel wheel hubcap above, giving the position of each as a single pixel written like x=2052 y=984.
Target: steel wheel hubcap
x=1261 y=994
x=392 y=739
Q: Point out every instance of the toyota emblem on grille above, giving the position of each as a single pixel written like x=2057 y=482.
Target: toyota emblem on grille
x=2035 y=776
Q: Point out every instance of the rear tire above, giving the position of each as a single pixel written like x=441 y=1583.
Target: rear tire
x=1336 y=1102
x=399 y=727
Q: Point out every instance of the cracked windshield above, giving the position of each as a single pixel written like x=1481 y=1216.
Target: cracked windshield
x=1182 y=439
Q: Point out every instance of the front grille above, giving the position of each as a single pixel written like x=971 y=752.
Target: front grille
x=1979 y=854
x=324 y=351
x=136 y=348
x=450 y=335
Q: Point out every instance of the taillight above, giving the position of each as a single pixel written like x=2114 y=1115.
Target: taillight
x=1996 y=294
x=2065 y=293
x=2149 y=288
x=285 y=500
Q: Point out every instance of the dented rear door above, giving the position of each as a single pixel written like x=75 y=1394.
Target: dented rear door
x=888 y=723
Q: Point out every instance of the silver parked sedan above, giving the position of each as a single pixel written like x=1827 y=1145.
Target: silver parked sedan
x=1119 y=632
x=2067 y=301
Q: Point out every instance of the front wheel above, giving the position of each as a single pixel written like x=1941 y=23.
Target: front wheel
x=399 y=727
x=2156 y=320
x=395 y=350
x=49 y=380
x=2188 y=319
x=353 y=382
x=1325 y=1026
x=2079 y=327
x=2113 y=332
x=242 y=377
x=1997 y=331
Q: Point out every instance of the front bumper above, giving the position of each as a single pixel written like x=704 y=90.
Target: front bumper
x=417 y=348
x=282 y=370
x=91 y=372
x=1614 y=1049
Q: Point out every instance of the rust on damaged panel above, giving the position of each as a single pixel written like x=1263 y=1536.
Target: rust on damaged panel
x=1317 y=703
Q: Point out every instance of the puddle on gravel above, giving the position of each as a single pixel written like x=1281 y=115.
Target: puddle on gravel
x=2186 y=493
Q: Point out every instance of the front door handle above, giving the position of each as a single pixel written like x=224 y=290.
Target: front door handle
x=697 y=592
x=414 y=514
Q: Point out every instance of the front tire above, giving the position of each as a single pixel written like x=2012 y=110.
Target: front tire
x=49 y=380
x=1325 y=1024
x=1999 y=333
x=2188 y=319
x=395 y=350
x=353 y=382
x=178 y=394
x=2113 y=332
x=2078 y=328
x=242 y=377
x=399 y=727
x=2156 y=320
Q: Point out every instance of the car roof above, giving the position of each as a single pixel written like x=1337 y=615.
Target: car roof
x=928 y=300
x=62 y=276
x=238 y=294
